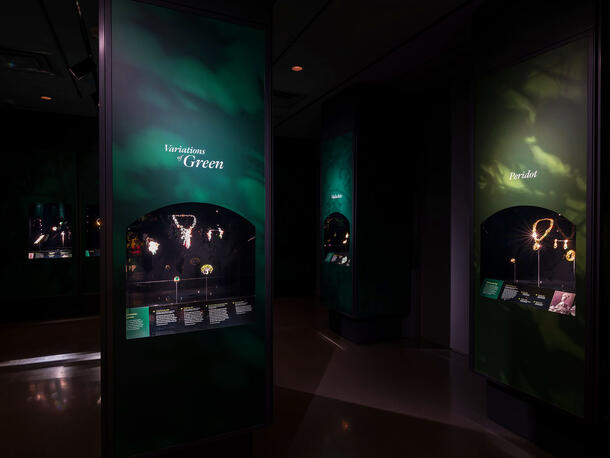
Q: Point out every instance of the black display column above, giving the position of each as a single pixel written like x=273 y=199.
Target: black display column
x=366 y=215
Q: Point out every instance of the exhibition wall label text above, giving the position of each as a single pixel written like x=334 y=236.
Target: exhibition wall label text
x=188 y=157
x=523 y=175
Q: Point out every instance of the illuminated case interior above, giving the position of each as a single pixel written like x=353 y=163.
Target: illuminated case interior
x=528 y=258
x=336 y=239
x=189 y=267
x=50 y=231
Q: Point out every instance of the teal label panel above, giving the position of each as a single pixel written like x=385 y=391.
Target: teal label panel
x=530 y=172
x=491 y=288
x=137 y=323
x=336 y=212
x=188 y=128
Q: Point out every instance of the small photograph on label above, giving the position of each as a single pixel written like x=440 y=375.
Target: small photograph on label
x=563 y=303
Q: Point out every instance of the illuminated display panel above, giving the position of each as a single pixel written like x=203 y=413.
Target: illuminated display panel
x=530 y=213
x=189 y=133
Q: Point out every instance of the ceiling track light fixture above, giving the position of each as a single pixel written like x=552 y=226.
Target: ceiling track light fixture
x=296 y=68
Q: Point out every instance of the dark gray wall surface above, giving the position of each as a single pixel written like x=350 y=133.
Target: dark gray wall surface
x=435 y=219
x=295 y=171
x=460 y=215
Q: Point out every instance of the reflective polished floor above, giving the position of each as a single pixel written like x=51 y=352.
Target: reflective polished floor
x=337 y=399
x=332 y=398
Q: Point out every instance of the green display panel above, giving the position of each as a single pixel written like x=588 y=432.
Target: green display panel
x=188 y=227
x=336 y=212
x=530 y=201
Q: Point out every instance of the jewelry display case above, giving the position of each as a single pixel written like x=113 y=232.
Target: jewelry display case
x=189 y=267
x=336 y=239
x=528 y=257
x=50 y=231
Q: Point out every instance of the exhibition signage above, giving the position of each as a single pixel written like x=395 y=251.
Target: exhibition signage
x=188 y=193
x=530 y=225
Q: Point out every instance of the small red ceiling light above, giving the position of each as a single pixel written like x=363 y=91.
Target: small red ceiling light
x=46 y=97
x=296 y=68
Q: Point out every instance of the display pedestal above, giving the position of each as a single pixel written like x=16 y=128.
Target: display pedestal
x=548 y=428
x=365 y=330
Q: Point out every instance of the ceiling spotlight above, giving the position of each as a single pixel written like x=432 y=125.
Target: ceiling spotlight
x=46 y=97
x=296 y=68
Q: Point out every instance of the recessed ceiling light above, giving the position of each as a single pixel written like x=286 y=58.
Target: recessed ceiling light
x=296 y=68
x=46 y=97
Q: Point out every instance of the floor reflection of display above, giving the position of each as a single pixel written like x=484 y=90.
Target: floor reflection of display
x=196 y=258
x=336 y=239
x=50 y=231
x=528 y=256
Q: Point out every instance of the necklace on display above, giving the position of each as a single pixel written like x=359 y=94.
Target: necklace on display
x=186 y=233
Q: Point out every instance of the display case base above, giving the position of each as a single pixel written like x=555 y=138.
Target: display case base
x=547 y=427
x=367 y=330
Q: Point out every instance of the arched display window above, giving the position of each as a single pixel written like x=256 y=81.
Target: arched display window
x=528 y=257
x=337 y=239
x=191 y=266
x=50 y=231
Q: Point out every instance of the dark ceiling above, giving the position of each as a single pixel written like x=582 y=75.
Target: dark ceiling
x=39 y=41
x=337 y=42
x=344 y=42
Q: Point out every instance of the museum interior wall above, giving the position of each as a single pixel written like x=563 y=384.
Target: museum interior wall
x=461 y=192
x=435 y=219
x=295 y=178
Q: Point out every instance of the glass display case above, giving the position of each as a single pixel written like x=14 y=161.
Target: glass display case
x=189 y=267
x=336 y=239
x=50 y=231
x=528 y=257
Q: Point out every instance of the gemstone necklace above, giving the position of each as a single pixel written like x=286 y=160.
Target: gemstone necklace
x=186 y=233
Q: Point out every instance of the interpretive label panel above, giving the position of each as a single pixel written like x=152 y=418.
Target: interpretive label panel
x=159 y=320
